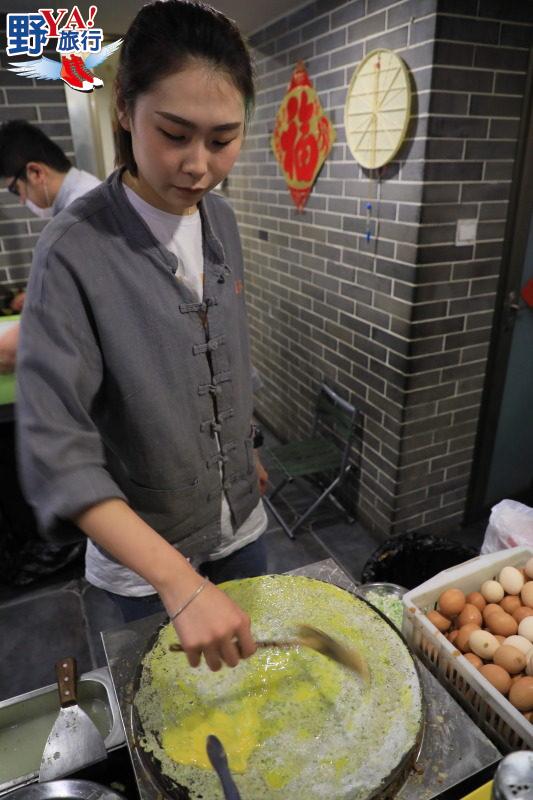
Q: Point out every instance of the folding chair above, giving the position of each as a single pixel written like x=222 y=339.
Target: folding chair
x=327 y=451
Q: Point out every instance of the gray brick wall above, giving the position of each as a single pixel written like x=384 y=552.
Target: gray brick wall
x=324 y=303
x=480 y=64
x=42 y=103
x=399 y=325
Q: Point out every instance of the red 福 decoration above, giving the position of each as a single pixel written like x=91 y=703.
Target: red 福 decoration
x=302 y=137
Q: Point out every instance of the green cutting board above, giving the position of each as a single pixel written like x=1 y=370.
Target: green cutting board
x=7 y=389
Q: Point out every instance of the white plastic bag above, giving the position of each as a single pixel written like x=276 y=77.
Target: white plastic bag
x=510 y=525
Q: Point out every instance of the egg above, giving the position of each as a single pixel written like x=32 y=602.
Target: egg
x=476 y=599
x=483 y=644
x=502 y=624
x=500 y=679
x=528 y=569
x=501 y=639
x=491 y=608
x=529 y=665
x=452 y=636
x=441 y=623
x=528 y=715
x=527 y=594
x=461 y=641
x=469 y=614
x=521 y=694
x=492 y=591
x=510 y=658
x=520 y=642
x=451 y=602
x=474 y=660
x=510 y=603
x=511 y=580
x=522 y=612
x=526 y=628
x=515 y=678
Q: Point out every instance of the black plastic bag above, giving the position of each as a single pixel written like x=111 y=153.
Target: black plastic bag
x=413 y=558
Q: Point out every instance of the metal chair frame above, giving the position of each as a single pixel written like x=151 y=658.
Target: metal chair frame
x=339 y=406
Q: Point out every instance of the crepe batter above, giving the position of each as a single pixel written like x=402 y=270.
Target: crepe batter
x=291 y=721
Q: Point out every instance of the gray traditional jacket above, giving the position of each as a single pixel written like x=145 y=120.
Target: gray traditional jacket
x=124 y=380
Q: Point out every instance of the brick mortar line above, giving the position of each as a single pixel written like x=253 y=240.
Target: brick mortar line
x=395 y=241
x=331 y=29
x=281 y=16
x=391 y=260
x=479 y=18
x=368 y=447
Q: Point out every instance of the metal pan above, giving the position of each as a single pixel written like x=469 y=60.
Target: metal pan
x=169 y=788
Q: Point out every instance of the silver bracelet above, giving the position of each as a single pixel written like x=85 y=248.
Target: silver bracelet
x=191 y=598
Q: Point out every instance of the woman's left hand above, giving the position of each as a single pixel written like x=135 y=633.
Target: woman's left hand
x=262 y=474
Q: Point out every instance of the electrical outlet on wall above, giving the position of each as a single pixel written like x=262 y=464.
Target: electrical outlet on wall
x=465 y=232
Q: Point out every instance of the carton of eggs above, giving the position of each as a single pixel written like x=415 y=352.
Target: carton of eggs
x=493 y=629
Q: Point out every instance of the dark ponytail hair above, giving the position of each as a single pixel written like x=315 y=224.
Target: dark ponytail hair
x=162 y=39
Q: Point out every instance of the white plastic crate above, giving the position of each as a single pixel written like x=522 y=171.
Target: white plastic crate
x=488 y=707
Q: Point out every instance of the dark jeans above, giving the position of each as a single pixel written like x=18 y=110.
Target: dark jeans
x=249 y=561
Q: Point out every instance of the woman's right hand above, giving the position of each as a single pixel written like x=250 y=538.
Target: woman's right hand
x=211 y=624
x=215 y=626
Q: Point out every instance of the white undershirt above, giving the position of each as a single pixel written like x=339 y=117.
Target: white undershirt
x=182 y=235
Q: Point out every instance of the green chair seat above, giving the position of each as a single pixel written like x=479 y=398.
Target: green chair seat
x=306 y=457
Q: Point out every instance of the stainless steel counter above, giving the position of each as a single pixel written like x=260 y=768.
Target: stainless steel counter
x=453 y=747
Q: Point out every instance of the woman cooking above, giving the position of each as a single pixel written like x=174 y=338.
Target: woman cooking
x=134 y=396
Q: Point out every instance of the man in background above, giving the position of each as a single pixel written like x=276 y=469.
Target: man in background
x=37 y=171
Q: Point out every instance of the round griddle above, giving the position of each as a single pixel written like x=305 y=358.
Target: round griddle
x=175 y=790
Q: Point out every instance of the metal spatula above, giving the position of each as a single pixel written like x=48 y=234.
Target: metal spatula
x=219 y=761
x=74 y=741
x=331 y=648
x=307 y=636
